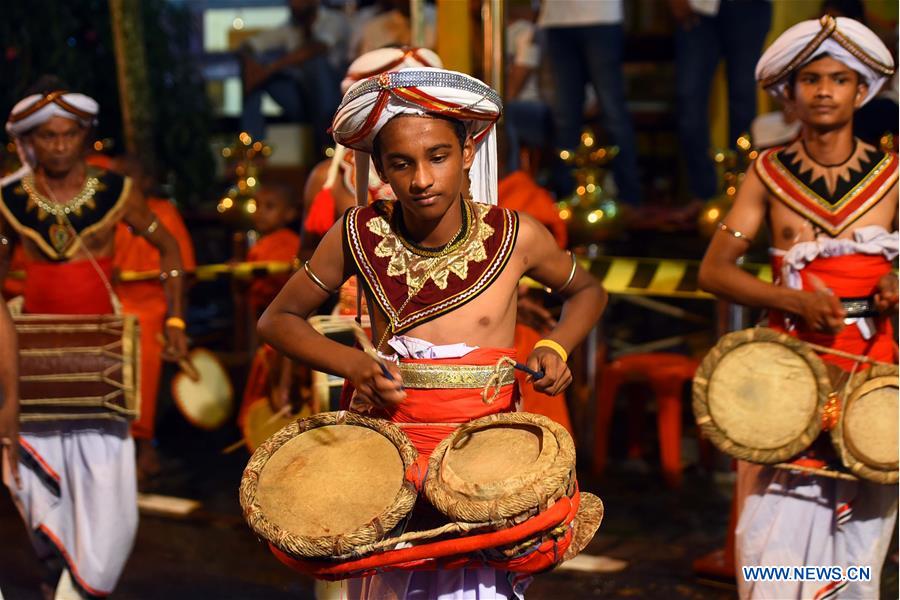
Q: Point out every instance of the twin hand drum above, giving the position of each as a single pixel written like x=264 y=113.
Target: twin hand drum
x=338 y=495
x=764 y=397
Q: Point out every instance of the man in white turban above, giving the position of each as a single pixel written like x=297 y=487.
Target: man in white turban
x=76 y=489
x=830 y=201
x=440 y=273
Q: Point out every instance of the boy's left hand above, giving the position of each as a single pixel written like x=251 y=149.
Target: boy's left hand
x=557 y=376
x=887 y=294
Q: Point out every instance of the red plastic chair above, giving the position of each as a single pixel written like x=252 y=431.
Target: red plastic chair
x=665 y=374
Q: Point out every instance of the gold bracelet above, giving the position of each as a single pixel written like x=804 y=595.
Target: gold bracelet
x=176 y=322
x=545 y=343
x=312 y=276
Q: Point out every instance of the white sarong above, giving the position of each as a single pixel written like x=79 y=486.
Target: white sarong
x=792 y=519
x=79 y=498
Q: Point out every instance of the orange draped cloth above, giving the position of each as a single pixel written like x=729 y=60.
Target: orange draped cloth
x=280 y=245
x=518 y=191
x=849 y=276
x=553 y=407
x=147 y=301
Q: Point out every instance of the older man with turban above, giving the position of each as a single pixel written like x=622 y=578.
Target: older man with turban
x=440 y=267
x=831 y=204
x=77 y=478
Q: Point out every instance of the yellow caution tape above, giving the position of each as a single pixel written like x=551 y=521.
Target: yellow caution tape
x=619 y=275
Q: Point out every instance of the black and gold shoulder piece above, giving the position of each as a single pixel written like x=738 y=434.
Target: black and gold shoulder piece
x=54 y=227
x=831 y=196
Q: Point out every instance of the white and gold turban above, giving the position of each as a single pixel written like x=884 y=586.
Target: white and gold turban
x=369 y=104
x=37 y=109
x=843 y=39
x=388 y=59
x=374 y=63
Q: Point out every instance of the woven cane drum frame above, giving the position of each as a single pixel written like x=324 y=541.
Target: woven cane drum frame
x=868 y=429
x=778 y=346
x=301 y=546
x=111 y=366
x=510 y=500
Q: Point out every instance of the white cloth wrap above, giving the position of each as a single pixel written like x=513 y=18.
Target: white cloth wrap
x=92 y=516
x=410 y=347
x=794 y=519
x=447 y=86
x=789 y=44
x=871 y=240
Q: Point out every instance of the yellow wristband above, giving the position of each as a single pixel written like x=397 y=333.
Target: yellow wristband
x=545 y=343
x=176 y=322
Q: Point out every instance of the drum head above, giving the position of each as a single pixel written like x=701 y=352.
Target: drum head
x=505 y=465
x=311 y=485
x=867 y=436
x=758 y=395
x=209 y=402
x=329 y=485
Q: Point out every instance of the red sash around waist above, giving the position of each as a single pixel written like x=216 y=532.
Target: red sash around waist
x=849 y=276
x=69 y=288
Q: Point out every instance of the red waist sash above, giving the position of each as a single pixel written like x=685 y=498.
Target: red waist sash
x=450 y=406
x=849 y=276
x=69 y=288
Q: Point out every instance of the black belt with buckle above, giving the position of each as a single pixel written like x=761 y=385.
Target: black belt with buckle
x=859 y=308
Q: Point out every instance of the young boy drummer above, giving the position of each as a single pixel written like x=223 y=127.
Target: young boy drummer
x=830 y=201
x=440 y=272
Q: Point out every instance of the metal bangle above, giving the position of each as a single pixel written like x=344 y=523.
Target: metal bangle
x=734 y=232
x=153 y=226
x=571 y=275
x=315 y=279
x=173 y=274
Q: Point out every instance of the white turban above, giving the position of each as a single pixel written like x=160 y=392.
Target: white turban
x=372 y=102
x=37 y=109
x=843 y=39
x=388 y=59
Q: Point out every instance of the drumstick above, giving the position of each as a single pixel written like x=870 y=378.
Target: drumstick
x=183 y=363
x=275 y=416
x=815 y=471
x=848 y=355
x=534 y=374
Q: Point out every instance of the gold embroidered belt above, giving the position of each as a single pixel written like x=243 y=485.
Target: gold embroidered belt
x=417 y=375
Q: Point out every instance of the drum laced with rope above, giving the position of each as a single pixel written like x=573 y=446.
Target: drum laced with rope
x=764 y=396
x=523 y=513
x=758 y=395
x=866 y=435
x=77 y=367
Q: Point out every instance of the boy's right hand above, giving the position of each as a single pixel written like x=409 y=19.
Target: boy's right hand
x=822 y=311
x=373 y=387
